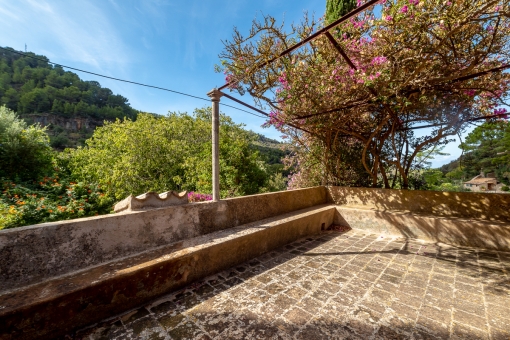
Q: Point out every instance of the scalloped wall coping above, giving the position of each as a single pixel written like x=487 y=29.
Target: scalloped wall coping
x=151 y=200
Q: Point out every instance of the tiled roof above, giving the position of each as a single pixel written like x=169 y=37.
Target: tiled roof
x=482 y=180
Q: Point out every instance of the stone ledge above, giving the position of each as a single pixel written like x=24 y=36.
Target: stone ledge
x=457 y=231
x=58 y=306
x=36 y=253
x=151 y=200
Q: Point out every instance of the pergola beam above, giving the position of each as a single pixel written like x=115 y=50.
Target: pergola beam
x=312 y=37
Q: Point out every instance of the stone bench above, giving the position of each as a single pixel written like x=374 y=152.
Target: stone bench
x=458 y=231
x=62 y=304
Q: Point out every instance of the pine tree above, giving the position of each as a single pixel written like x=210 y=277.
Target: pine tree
x=335 y=9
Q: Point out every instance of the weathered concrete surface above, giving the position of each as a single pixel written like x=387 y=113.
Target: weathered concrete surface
x=32 y=254
x=456 y=218
x=335 y=286
x=450 y=230
x=492 y=207
x=151 y=200
x=56 y=306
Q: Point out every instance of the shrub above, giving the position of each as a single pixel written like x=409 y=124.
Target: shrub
x=505 y=188
x=51 y=199
x=25 y=152
x=198 y=197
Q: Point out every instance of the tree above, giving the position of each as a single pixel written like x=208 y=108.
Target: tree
x=159 y=154
x=487 y=148
x=10 y=98
x=31 y=85
x=412 y=64
x=335 y=9
x=25 y=153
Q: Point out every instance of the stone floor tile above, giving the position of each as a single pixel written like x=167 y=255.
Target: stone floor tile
x=464 y=332
x=310 y=304
x=380 y=296
x=362 y=328
x=355 y=290
x=417 y=291
x=448 y=287
x=469 y=307
x=145 y=328
x=437 y=328
x=401 y=325
x=409 y=300
x=104 y=330
x=472 y=320
x=321 y=295
x=385 y=333
x=316 y=289
x=343 y=300
x=404 y=311
x=467 y=296
x=443 y=315
x=500 y=310
x=390 y=278
x=296 y=292
x=284 y=302
x=499 y=334
x=368 y=276
x=376 y=306
x=386 y=286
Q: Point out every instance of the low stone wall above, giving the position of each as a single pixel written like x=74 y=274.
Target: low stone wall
x=59 y=306
x=491 y=207
x=33 y=253
x=456 y=218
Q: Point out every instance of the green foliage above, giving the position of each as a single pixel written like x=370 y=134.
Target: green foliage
x=487 y=149
x=51 y=199
x=448 y=187
x=505 y=188
x=25 y=153
x=34 y=86
x=276 y=182
x=168 y=153
x=433 y=177
x=335 y=9
x=456 y=174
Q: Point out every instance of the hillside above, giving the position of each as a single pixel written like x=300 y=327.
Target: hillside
x=486 y=149
x=71 y=108
x=272 y=150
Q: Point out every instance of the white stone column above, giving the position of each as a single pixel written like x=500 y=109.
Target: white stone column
x=215 y=96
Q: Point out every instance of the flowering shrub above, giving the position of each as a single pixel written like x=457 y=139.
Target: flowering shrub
x=411 y=63
x=51 y=199
x=198 y=197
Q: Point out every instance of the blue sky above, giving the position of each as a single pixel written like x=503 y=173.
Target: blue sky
x=172 y=44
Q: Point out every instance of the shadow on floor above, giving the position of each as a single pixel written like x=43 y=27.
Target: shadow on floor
x=334 y=286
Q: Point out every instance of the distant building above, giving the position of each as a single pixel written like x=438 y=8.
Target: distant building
x=483 y=183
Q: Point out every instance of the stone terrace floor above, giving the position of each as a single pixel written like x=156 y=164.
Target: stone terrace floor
x=350 y=285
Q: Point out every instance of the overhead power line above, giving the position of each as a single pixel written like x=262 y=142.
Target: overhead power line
x=123 y=80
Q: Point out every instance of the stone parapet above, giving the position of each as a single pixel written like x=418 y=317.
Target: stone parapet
x=35 y=253
x=494 y=235
x=470 y=205
x=58 y=306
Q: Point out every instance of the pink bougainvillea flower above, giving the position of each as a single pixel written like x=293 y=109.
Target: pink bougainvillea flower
x=404 y=9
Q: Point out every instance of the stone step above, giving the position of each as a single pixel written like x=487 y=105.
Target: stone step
x=60 y=305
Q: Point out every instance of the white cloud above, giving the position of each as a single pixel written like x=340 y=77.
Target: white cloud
x=70 y=31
